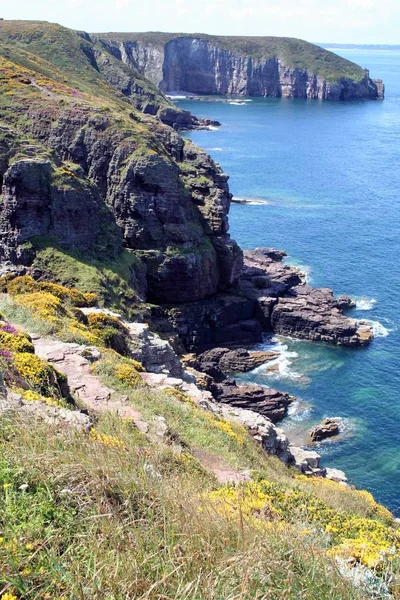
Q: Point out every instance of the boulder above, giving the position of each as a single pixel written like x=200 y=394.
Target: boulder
x=326 y=429
x=307 y=461
x=336 y=475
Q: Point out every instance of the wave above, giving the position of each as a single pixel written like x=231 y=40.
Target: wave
x=240 y=200
x=177 y=97
x=305 y=271
x=378 y=329
x=212 y=128
x=297 y=412
x=365 y=303
x=281 y=366
x=215 y=149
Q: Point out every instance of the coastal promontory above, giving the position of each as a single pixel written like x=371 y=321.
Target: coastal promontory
x=245 y=66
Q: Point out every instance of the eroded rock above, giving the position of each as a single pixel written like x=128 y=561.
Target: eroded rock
x=326 y=429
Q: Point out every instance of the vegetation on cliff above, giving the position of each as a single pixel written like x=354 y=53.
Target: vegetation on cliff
x=293 y=52
x=94 y=192
x=108 y=513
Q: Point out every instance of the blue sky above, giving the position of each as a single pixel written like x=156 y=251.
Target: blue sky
x=351 y=21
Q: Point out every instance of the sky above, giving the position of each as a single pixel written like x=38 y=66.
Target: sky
x=335 y=21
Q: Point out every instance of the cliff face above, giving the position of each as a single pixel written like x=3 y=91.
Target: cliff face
x=95 y=175
x=206 y=65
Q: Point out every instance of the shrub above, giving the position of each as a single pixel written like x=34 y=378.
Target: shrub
x=44 y=305
x=15 y=342
x=128 y=375
x=362 y=539
x=40 y=375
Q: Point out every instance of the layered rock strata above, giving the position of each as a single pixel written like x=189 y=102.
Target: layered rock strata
x=242 y=66
x=272 y=297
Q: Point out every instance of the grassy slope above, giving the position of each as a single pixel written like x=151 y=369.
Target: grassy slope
x=94 y=523
x=293 y=52
x=62 y=54
x=114 y=516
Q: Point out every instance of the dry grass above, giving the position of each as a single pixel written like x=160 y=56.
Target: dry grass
x=103 y=522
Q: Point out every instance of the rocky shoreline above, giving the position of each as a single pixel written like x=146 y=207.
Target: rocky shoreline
x=270 y=297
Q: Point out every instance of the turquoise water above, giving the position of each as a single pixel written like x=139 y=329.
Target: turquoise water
x=329 y=174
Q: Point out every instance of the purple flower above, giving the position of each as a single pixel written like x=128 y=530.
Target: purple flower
x=9 y=329
x=5 y=354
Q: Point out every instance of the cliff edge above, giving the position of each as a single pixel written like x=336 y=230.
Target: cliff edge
x=247 y=66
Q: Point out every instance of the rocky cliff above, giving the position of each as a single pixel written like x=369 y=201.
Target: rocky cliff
x=81 y=166
x=271 y=67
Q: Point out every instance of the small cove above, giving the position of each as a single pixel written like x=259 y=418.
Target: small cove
x=324 y=179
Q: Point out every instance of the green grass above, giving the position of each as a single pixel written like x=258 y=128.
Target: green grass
x=93 y=522
x=293 y=52
x=114 y=281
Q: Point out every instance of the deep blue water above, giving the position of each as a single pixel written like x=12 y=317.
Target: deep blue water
x=329 y=174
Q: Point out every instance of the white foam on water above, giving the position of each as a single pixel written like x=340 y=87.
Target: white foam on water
x=281 y=367
x=305 y=271
x=177 y=97
x=216 y=149
x=298 y=413
x=237 y=103
x=252 y=201
x=378 y=329
x=365 y=303
x=212 y=128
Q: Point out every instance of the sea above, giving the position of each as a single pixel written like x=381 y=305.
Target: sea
x=323 y=179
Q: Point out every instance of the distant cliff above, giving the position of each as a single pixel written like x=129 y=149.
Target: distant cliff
x=252 y=66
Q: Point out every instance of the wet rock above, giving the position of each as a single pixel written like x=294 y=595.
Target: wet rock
x=326 y=429
x=345 y=302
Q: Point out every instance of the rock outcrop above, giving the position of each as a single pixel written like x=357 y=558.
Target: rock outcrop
x=233 y=361
x=170 y=205
x=273 y=67
x=267 y=402
x=271 y=296
x=328 y=428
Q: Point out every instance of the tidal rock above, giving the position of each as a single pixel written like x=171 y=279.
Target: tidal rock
x=266 y=401
x=326 y=429
x=313 y=314
x=233 y=361
x=345 y=302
